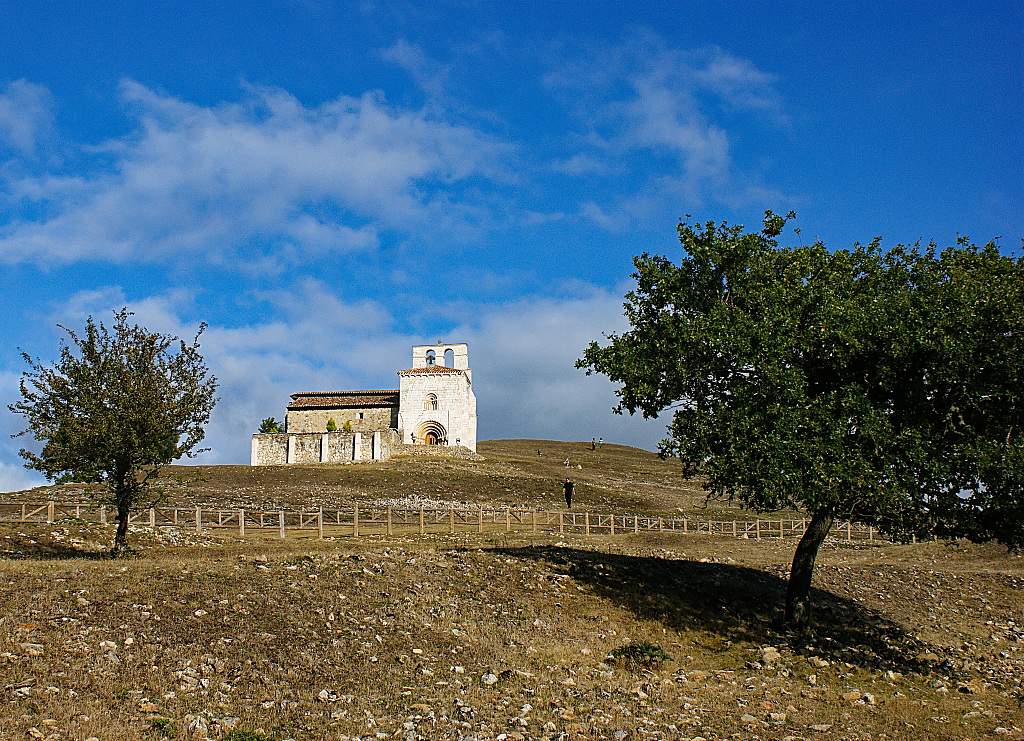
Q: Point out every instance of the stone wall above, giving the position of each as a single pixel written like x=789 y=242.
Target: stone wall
x=456 y=407
x=269 y=449
x=281 y=448
x=315 y=420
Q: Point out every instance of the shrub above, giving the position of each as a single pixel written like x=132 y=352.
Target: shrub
x=331 y=425
x=163 y=726
x=347 y=427
x=269 y=425
x=240 y=734
x=641 y=654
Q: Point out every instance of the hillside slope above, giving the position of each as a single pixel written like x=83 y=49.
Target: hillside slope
x=527 y=473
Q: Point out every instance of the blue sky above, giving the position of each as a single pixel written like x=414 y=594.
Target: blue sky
x=327 y=184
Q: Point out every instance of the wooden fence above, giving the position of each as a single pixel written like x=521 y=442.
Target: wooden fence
x=357 y=520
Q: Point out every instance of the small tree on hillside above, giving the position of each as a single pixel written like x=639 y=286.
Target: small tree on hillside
x=880 y=387
x=118 y=404
x=269 y=425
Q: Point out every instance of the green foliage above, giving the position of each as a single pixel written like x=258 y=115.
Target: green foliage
x=885 y=386
x=165 y=727
x=270 y=425
x=641 y=654
x=347 y=427
x=240 y=734
x=118 y=404
x=332 y=426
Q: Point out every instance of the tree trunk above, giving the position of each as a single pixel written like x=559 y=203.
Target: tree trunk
x=121 y=536
x=798 y=593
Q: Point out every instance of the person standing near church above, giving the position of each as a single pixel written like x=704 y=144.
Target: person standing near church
x=567 y=489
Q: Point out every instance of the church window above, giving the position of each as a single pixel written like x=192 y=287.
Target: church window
x=449 y=358
x=430 y=403
x=431 y=357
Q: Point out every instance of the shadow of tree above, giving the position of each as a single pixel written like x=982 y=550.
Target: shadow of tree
x=51 y=551
x=739 y=604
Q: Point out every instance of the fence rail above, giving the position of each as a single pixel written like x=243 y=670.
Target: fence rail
x=358 y=520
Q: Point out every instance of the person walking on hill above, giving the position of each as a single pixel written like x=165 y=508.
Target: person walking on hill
x=567 y=488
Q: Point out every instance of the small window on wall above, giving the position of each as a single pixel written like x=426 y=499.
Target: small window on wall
x=430 y=403
x=360 y=415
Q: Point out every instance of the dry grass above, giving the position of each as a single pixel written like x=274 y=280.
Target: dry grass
x=476 y=636
x=306 y=639
x=510 y=472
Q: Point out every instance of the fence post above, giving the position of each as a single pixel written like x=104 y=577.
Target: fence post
x=199 y=520
x=49 y=512
x=686 y=526
x=152 y=517
x=421 y=521
x=586 y=522
x=22 y=512
x=613 y=525
x=661 y=525
x=508 y=519
x=757 y=528
x=848 y=532
x=103 y=514
x=241 y=523
x=636 y=524
x=451 y=520
x=871 y=534
x=388 y=515
x=480 y=520
x=355 y=521
x=561 y=522
x=280 y=523
x=320 y=522
x=533 y=519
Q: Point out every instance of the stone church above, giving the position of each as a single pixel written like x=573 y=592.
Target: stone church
x=434 y=404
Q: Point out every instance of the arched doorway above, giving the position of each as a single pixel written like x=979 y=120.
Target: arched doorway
x=431 y=433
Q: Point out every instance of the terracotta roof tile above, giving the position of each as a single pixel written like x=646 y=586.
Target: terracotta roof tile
x=336 y=399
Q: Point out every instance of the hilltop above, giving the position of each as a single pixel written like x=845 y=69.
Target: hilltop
x=517 y=473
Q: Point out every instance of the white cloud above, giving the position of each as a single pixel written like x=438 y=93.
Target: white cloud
x=522 y=354
x=646 y=100
x=17 y=478
x=740 y=84
x=26 y=116
x=268 y=170
x=429 y=75
x=581 y=164
x=13 y=475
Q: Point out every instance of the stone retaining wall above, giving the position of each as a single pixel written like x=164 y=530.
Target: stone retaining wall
x=283 y=448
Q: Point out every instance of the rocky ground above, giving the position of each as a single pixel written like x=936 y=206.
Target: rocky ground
x=486 y=637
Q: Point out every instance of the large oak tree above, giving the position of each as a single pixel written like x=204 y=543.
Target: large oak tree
x=878 y=386
x=118 y=404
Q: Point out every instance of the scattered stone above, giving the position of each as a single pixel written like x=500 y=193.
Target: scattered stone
x=770 y=655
